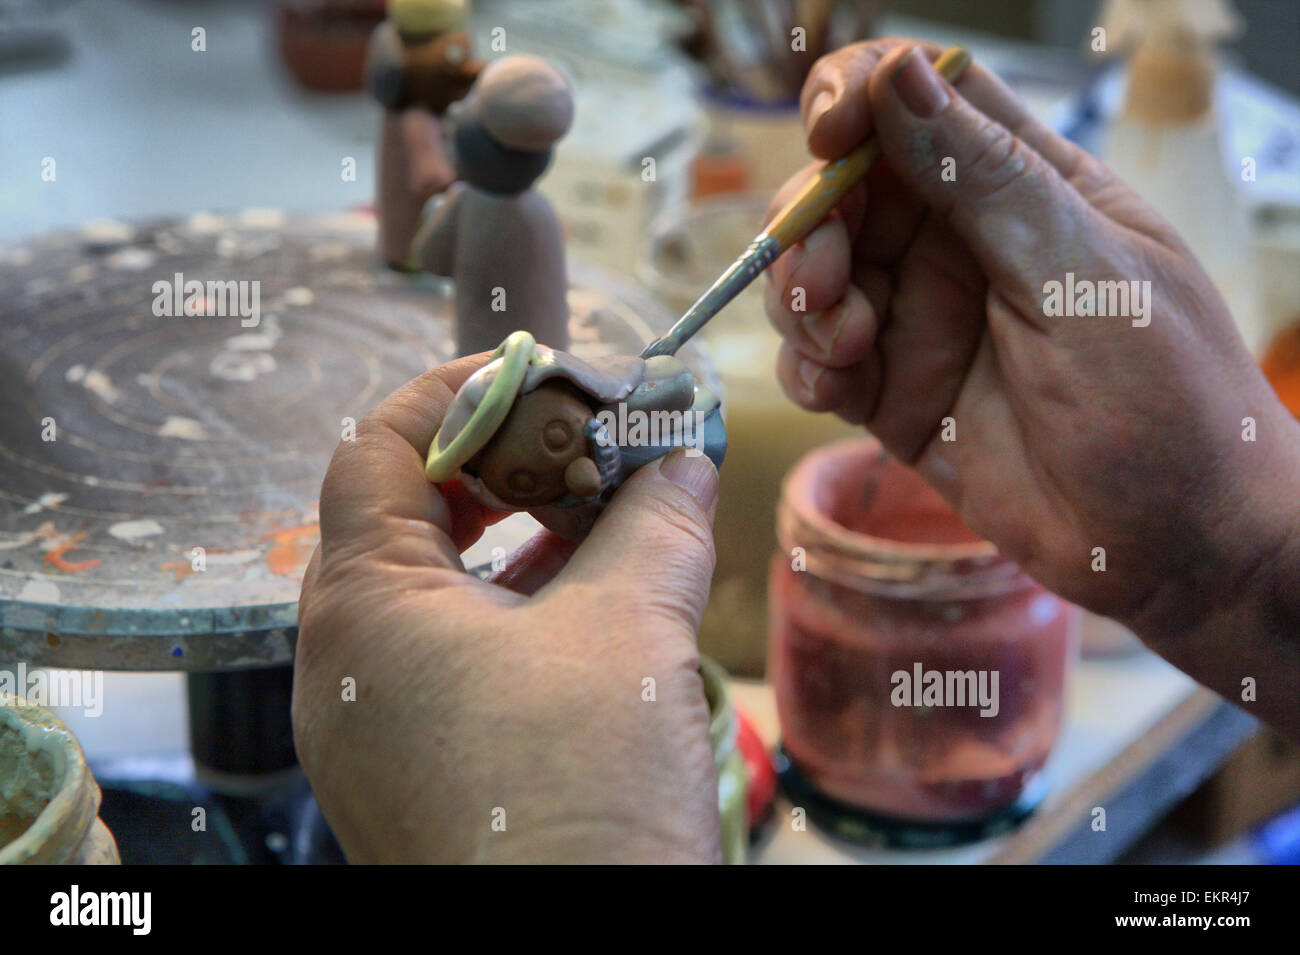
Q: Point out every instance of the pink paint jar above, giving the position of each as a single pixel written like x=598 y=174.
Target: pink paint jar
x=919 y=674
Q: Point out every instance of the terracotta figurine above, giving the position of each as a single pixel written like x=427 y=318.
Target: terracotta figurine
x=493 y=234
x=539 y=430
x=419 y=63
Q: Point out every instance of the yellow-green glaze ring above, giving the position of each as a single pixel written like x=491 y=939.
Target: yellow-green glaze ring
x=514 y=353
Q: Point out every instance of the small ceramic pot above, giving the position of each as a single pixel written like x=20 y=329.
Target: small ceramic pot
x=323 y=44
x=49 y=801
x=879 y=589
x=729 y=762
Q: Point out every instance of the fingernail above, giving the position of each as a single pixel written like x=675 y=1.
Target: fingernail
x=919 y=86
x=809 y=373
x=693 y=473
x=821 y=105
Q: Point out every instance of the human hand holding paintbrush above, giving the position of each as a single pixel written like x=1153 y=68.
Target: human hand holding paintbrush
x=918 y=309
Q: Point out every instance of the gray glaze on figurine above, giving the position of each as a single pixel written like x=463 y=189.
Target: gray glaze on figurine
x=494 y=235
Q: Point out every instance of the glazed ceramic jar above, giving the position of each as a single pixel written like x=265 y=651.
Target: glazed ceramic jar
x=919 y=674
x=49 y=802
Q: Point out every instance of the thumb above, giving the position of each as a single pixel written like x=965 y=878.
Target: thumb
x=651 y=550
x=1012 y=207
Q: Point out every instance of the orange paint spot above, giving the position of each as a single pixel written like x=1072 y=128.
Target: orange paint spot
x=182 y=568
x=292 y=549
x=55 y=556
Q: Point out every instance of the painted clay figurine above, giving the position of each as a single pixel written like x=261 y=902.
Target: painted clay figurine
x=539 y=430
x=493 y=234
x=419 y=62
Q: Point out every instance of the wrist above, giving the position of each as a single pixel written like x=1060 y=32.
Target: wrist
x=1249 y=560
x=1230 y=618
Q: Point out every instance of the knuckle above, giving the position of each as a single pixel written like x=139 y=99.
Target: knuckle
x=678 y=523
x=1000 y=161
x=660 y=611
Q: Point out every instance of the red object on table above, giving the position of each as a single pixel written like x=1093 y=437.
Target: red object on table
x=758 y=769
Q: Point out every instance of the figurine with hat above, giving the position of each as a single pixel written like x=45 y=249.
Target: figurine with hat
x=493 y=234
x=418 y=63
x=530 y=430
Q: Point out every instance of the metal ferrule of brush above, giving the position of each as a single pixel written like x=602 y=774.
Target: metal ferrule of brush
x=762 y=252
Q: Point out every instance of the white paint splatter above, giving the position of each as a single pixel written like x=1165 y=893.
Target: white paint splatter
x=75 y=373
x=241 y=365
x=253 y=341
x=132 y=531
x=232 y=245
x=264 y=339
x=344 y=221
x=262 y=218
x=205 y=223
x=101 y=385
x=47 y=534
x=131 y=260
x=46 y=500
x=179 y=427
x=107 y=232
x=40 y=591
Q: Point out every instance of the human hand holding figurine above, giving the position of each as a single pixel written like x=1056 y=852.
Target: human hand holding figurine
x=518 y=702
x=919 y=308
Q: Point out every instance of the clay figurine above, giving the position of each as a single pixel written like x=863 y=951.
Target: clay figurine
x=493 y=234
x=419 y=62
x=539 y=430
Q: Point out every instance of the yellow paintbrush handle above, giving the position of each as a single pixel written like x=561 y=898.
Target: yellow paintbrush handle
x=825 y=190
x=801 y=215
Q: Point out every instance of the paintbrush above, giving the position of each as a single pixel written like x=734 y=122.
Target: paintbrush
x=800 y=216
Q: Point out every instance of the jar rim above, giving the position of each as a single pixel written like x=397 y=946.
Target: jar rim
x=61 y=825
x=873 y=563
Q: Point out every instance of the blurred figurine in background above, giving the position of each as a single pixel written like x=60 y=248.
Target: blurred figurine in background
x=418 y=64
x=494 y=235
x=540 y=430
